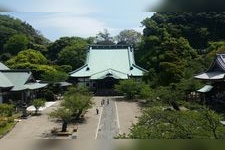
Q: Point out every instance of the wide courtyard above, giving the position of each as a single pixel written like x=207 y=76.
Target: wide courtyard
x=113 y=118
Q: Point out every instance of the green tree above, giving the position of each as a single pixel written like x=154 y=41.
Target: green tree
x=160 y=123
x=37 y=103
x=210 y=121
x=60 y=44
x=54 y=76
x=34 y=60
x=127 y=87
x=156 y=123
x=77 y=100
x=16 y=43
x=104 y=38
x=64 y=114
x=130 y=37
x=73 y=55
x=27 y=56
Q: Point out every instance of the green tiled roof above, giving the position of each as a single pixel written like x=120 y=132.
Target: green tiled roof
x=119 y=63
x=4 y=81
x=22 y=80
x=3 y=67
x=32 y=86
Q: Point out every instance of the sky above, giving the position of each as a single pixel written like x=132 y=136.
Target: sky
x=83 y=18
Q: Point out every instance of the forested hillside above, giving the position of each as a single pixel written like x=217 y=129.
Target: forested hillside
x=19 y=34
x=177 y=45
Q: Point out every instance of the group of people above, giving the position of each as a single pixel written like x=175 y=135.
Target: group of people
x=102 y=104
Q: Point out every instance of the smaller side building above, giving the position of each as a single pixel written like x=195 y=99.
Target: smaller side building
x=17 y=84
x=214 y=76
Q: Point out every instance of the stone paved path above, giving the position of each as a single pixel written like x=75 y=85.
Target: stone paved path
x=108 y=127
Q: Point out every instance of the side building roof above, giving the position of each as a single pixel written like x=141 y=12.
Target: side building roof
x=22 y=80
x=3 y=67
x=216 y=71
x=117 y=62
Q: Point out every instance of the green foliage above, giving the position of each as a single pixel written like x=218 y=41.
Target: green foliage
x=171 y=42
x=27 y=56
x=130 y=37
x=61 y=113
x=15 y=44
x=11 y=27
x=74 y=54
x=104 y=38
x=210 y=121
x=34 y=60
x=37 y=103
x=55 y=48
x=144 y=91
x=127 y=87
x=65 y=68
x=54 y=76
x=77 y=100
x=6 y=110
x=48 y=94
x=158 y=123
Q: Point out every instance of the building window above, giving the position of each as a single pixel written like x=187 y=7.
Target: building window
x=87 y=84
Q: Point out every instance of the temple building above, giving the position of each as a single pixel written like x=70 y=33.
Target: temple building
x=215 y=79
x=106 y=65
x=17 y=84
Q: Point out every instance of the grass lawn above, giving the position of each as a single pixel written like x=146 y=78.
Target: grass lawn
x=7 y=128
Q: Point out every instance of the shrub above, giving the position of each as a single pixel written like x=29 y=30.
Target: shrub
x=38 y=103
x=3 y=121
x=127 y=87
x=6 y=110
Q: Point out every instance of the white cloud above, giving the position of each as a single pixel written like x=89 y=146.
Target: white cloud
x=68 y=24
x=80 y=6
x=56 y=25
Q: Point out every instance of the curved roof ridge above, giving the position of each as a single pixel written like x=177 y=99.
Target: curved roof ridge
x=78 y=69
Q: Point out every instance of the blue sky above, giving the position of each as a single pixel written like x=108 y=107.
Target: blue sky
x=82 y=18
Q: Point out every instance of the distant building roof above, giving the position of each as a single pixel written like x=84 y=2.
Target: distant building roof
x=216 y=71
x=3 y=67
x=4 y=81
x=114 y=61
x=22 y=80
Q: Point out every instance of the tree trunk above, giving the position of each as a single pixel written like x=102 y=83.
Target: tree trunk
x=64 y=126
x=79 y=113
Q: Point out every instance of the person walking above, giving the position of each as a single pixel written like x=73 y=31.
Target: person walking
x=97 y=111
x=107 y=101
